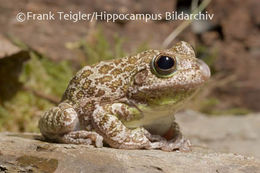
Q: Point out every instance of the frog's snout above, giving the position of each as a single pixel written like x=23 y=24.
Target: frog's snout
x=204 y=69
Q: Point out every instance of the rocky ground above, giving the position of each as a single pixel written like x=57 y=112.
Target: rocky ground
x=231 y=138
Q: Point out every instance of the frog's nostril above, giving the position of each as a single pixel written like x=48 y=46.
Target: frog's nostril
x=204 y=69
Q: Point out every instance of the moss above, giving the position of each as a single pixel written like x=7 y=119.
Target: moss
x=22 y=112
x=231 y=111
x=209 y=106
x=40 y=73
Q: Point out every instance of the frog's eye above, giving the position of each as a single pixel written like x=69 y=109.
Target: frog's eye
x=164 y=65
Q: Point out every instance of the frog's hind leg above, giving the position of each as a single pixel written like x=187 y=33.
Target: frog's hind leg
x=61 y=124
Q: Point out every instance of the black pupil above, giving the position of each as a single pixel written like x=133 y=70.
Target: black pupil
x=165 y=62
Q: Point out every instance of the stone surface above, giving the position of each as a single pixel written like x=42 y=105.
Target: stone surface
x=26 y=153
x=12 y=60
x=7 y=48
x=236 y=134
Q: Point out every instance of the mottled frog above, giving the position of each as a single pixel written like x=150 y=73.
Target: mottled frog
x=128 y=103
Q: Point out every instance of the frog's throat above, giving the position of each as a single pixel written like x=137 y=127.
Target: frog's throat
x=151 y=114
x=158 y=109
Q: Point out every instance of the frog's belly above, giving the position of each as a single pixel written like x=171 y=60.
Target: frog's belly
x=157 y=122
x=159 y=127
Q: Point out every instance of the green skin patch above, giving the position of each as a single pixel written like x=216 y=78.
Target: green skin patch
x=157 y=109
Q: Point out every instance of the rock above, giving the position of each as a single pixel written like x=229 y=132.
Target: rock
x=27 y=153
x=235 y=134
x=7 y=48
x=12 y=60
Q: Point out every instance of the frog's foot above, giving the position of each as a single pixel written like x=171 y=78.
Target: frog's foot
x=58 y=121
x=153 y=138
x=155 y=141
x=83 y=137
x=176 y=141
x=181 y=144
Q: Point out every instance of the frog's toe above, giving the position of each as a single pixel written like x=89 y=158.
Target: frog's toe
x=185 y=145
x=156 y=145
x=182 y=144
x=83 y=137
x=153 y=138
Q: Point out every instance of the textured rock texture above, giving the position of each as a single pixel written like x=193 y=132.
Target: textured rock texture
x=27 y=153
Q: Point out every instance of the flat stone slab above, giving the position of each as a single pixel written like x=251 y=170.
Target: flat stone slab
x=26 y=152
x=227 y=133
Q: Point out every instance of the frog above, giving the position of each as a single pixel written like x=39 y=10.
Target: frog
x=128 y=103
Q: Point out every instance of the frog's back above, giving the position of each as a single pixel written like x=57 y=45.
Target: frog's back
x=106 y=80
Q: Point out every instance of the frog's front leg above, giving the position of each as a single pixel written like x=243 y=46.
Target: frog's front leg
x=176 y=141
x=61 y=124
x=106 y=121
